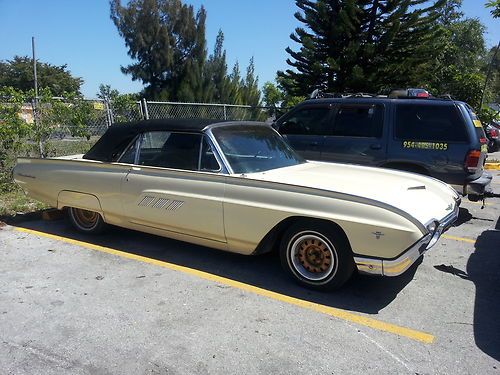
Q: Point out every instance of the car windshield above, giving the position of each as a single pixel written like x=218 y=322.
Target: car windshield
x=254 y=148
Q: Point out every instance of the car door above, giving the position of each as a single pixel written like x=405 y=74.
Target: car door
x=305 y=128
x=175 y=186
x=357 y=135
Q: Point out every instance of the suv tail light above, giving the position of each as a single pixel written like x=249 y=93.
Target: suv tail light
x=494 y=133
x=472 y=160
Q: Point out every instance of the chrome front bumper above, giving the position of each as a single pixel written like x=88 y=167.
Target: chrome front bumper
x=397 y=266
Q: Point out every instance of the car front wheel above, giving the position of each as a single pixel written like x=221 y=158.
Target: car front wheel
x=317 y=255
x=86 y=221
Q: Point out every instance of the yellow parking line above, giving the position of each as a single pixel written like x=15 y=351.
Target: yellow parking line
x=331 y=311
x=469 y=240
x=481 y=203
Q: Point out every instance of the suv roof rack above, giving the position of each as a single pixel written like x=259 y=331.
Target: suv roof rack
x=412 y=93
x=318 y=94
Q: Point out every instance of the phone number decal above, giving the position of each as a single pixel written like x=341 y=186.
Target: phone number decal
x=425 y=145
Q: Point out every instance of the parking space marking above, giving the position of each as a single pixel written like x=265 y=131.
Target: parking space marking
x=481 y=203
x=463 y=239
x=331 y=311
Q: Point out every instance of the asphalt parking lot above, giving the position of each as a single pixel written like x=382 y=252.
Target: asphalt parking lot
x=132 y=303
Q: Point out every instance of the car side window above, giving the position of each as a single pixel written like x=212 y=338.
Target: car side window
x=208 y=162
x=437 y=123
x=359 y=120
x=170 y=150
x=307 y=121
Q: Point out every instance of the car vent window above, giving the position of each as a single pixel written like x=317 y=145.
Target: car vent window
x=128 y=156
x=436 y=123
x=170 y=150
x=208 y=162
x=307 y=121
x=354 y=120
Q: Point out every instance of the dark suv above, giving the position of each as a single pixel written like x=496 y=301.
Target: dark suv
x=441 y=138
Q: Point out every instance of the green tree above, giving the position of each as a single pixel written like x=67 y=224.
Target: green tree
x=250 y=86
x=18 y=73
x=271 y=95
x=216 y=70
x=166 y=38
x=495 y=8
x=70 y=115
x=13 y=132
x=122 y=107
x=364 y=45
x=457 y=66
x=235 y=86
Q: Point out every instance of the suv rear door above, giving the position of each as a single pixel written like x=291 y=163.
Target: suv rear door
x=305 y=127
x=356 y=135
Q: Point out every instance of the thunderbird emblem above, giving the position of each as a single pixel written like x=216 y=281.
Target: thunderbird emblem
x=378 y=234
x=450 y=206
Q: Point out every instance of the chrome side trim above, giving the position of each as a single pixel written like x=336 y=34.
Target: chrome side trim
x=367 y=266
x=394 y=267
x=400 y=265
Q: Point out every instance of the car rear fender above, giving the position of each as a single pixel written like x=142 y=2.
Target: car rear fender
x=77 y=199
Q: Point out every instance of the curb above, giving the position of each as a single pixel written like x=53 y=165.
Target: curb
x=492 y=166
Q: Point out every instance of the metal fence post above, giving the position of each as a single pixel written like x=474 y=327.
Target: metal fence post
x=145 y=106
x=225 y=113
x=109 y=113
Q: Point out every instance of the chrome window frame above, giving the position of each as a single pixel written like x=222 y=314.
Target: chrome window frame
x=214 y=151
x=226 y=167
x=138 y=139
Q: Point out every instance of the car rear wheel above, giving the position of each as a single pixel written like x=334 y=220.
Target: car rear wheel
x=317 y=255
x=86 y=221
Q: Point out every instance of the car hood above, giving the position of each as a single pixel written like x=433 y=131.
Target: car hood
x=422 y=197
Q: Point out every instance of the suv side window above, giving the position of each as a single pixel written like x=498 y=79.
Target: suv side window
x=359 y=120
x=436 y=123
x=307 y=121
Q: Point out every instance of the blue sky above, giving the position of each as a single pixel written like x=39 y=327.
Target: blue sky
x=80 y=34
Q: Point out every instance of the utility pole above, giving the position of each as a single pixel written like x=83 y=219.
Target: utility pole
x=36 y=120
x=34 y=66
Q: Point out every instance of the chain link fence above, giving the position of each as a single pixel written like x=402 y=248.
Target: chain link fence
x=102 y=114
x=159 y=110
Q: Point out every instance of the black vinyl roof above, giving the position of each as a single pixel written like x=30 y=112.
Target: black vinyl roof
x=118 y=136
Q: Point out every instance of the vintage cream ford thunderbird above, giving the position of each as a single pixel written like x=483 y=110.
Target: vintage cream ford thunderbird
x=237 y=186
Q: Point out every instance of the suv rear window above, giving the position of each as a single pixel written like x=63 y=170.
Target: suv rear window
x=359 y=120
x=438 y=123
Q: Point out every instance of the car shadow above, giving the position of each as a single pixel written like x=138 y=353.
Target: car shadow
x=463 y=216
x=483 y=269
x=362 y=293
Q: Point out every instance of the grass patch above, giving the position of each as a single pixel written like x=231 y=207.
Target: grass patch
x=16 y=202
